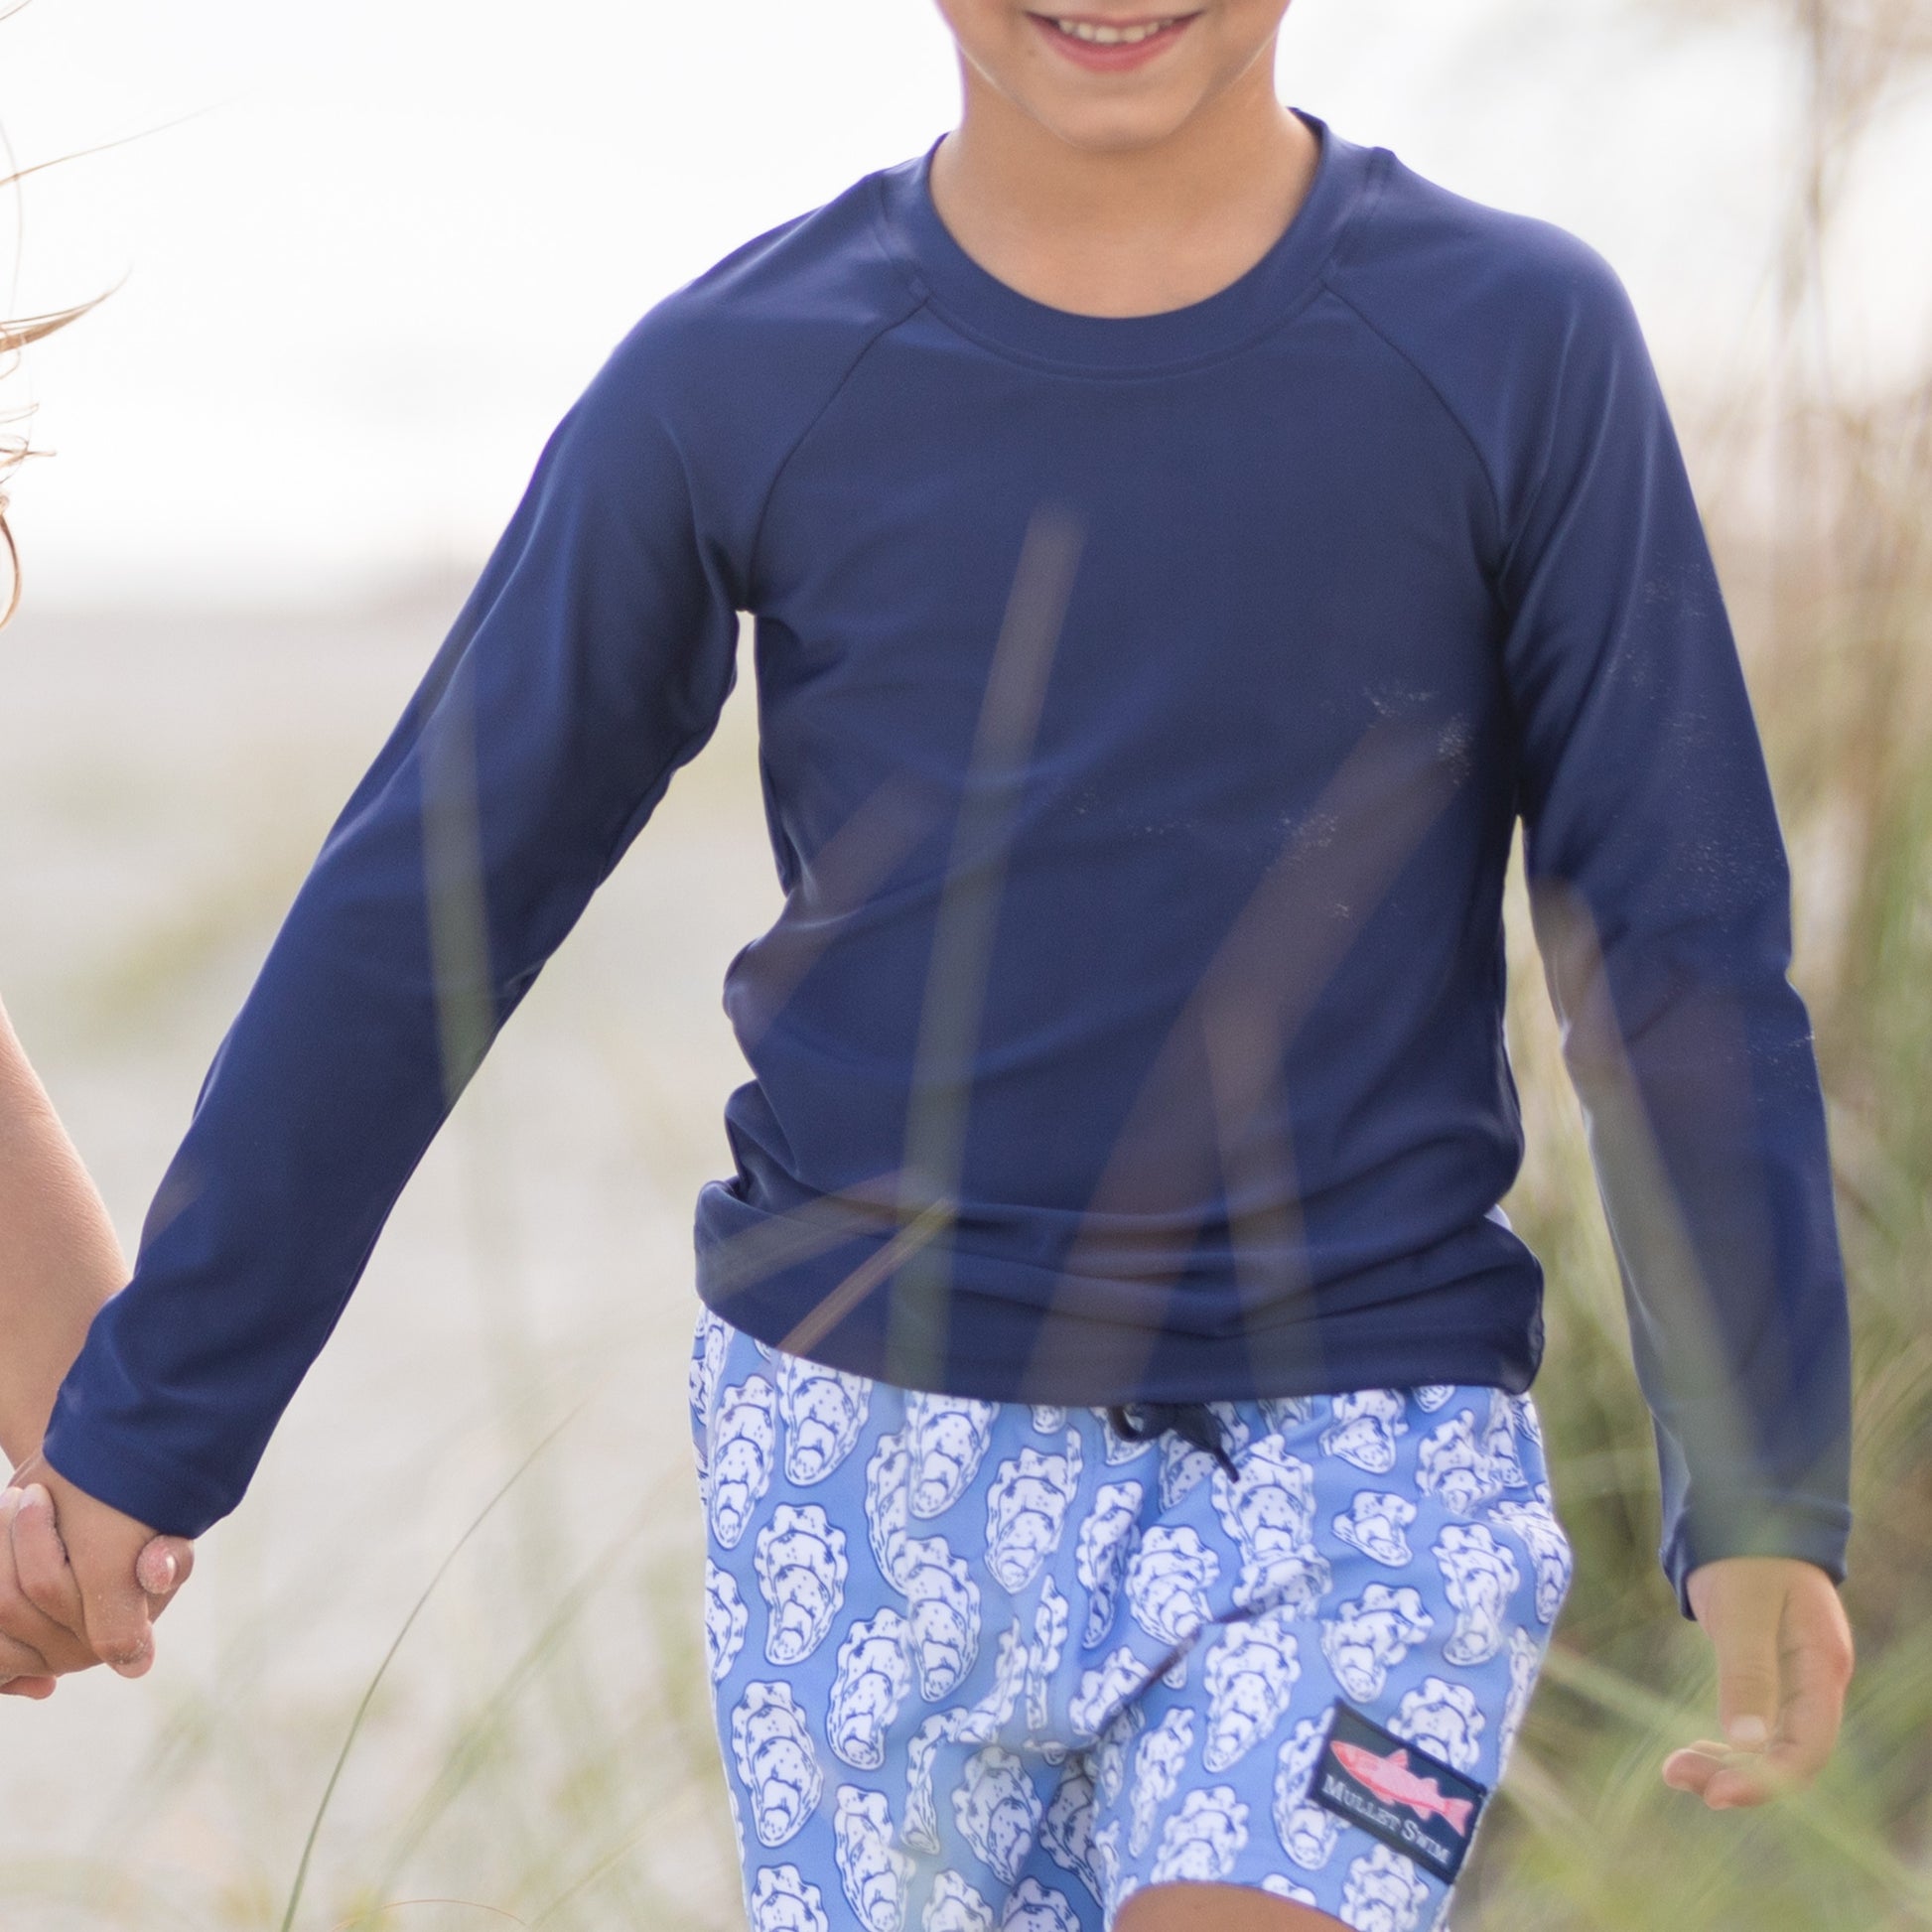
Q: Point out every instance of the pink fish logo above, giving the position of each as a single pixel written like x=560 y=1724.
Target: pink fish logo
x=1391 y=1780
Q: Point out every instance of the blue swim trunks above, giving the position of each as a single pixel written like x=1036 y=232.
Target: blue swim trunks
x=980 y=1667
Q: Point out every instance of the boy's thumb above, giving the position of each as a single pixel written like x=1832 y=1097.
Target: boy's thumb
x=118 y=1630
x=163 y=1565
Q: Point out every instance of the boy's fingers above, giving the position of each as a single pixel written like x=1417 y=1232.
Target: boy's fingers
x=1692 y=1768
x=163 y=1565
x=28 y=1687
x=1743 y=1782
x=1723 y=1777
x=119 y=1628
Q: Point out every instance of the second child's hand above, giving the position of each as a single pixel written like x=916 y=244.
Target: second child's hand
x=26 y=1635
x=80 y=1582
x=1784 y=1659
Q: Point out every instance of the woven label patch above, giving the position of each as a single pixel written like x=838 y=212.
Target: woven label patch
x=1414 y=1803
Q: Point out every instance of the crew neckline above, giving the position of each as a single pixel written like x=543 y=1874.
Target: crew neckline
x=1259 y=299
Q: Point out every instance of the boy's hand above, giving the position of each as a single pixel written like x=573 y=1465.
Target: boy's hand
x=1784 y=1658
x=84 y=1591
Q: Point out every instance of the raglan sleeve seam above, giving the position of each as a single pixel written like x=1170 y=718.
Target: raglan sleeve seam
x=873 y=338
x=1443 y=402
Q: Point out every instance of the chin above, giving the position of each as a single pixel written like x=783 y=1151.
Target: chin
x=1111 y=127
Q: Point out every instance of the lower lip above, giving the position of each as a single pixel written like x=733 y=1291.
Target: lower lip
x=1123 y=57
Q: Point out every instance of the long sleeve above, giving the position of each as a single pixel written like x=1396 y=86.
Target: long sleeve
x=590 y=661
x=1661 y=896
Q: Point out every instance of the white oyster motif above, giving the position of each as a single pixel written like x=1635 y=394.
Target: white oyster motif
x=724 y=1618
x=1158 y=1761
x=1168 y=1580
x=1102 y=1692
x=873 y=1870
x=1067 y=1830
x=942 y=1600
x=1025 y=1511
x=776 y=1761
x=823 y=1411
x=1367 y=1639
x=1284 y=1413
x=1043 y=1654
x=1480 y=1575
x=1270 y=1516
x=1119 y=1448
x=1455 y=1467
x=947 y=1438
x=1202 y=1841
x=742 y=1443
x=1251 y=1676
x=1525 y=1659
x=1443 y=1719
x=1109 y=1753
x=1364 y=1429
x=1535 y=1522
x=1107 y=1539
x=998 y=1810
x=1307 y=1830
x=708 y=1347
x=955 y=1906
x=874 y=1671
x=1374 y=1524
x=782 y=1901
x=1384 y=1892
x=1283 y=1887
x=1035 y=1908
x=802 y=1571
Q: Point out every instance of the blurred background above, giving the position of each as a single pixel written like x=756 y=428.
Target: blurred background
x=364 y=257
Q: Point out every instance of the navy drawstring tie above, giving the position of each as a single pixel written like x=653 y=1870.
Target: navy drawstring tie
x=1193 y=1422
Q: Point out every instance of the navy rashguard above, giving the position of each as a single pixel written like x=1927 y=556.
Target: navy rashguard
x=1146 y=705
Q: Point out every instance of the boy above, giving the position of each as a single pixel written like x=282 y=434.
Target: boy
x=1182 y=541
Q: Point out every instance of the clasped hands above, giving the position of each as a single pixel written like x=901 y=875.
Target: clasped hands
x=80 y=1582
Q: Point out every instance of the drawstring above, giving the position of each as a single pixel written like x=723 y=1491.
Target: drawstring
x=1193 y=1422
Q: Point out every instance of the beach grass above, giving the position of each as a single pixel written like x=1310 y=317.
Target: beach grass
x=508 y=1723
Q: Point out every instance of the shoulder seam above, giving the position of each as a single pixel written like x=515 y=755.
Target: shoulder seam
x=871 y=341
x=1369 y=323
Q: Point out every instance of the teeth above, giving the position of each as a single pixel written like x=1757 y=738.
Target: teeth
x=1082 y=30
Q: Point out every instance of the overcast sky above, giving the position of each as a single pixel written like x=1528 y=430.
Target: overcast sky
x=394 y=237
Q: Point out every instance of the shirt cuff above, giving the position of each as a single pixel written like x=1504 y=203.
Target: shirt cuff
x=171 y=1499
x=1808 y=1530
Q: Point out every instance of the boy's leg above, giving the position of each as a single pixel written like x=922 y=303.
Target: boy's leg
x=1216 y=1909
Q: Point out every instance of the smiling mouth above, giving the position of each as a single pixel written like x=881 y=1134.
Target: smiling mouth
x=1108 y=44
x=1112 y=34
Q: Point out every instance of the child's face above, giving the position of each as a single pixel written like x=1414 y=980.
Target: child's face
x=1095 y=77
